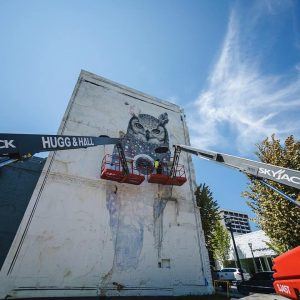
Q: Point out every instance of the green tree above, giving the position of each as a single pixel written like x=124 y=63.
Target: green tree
x=209 y=211
x=279 y=218
x=220 y=243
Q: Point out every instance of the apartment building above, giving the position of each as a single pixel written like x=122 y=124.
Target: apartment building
x=239 y=221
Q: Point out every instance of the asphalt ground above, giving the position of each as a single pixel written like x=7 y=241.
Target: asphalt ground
x=255 y=296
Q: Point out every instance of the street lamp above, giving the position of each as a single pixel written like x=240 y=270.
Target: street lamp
x=255 y=267
x=235 y=248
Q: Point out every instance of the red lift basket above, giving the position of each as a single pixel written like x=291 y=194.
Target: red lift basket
x=111 y=169
x=287 y=274
x=165 y=179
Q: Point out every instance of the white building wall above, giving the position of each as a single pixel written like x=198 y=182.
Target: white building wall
x=84 y=236
x=259 y=241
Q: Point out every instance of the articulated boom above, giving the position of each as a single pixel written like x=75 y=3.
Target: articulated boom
x=22 y=146
x=281 y=175
x=25 y=145
x=261 y=171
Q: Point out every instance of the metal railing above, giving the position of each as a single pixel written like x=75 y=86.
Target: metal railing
x=222 y=282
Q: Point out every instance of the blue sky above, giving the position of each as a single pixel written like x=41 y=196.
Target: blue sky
x=233 y=65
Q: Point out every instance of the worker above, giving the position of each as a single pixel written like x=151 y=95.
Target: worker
x=157 y=166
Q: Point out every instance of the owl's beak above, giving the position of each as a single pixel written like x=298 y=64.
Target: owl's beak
x=147 y=135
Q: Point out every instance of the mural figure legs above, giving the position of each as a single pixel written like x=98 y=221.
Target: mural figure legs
x=159 y=204
x=127 y=227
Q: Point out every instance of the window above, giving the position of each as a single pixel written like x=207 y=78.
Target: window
x=228 y=270
x=165 y=263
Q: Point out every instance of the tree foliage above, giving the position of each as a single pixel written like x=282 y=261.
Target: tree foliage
x=209 y=211
x=220 y=243
x=279 y=218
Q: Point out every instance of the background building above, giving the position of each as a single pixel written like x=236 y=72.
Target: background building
x=84 y=236
x=254 y=252
x=17 y=182
x=239 y=221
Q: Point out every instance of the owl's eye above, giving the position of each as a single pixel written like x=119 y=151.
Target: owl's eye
x=138 y=125
x=156 y=131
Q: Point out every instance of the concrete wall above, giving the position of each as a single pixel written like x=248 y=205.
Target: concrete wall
x=84 y=236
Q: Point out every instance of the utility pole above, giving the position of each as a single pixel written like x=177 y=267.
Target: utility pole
x=235 y=248
x=254 y=263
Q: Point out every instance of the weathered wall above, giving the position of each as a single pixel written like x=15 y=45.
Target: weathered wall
x=82 y=235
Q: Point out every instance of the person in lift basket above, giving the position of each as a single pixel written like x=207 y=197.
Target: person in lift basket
x=158 y=166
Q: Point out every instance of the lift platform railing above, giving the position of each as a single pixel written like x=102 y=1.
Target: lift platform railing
x=111 y=162
x=180 y=171
x=166 y=169
x=114 y=162
x=168 y=175
x=112 y=169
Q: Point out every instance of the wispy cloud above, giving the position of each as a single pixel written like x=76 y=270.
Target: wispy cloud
x=241 y=104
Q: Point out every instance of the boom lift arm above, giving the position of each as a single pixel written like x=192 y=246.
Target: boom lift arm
x=22 y=146
x=261 y=171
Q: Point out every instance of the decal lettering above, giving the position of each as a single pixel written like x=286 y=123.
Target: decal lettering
x=284 y=288
x=295 y=179
x=46 y=142
x=68 y=142
x=60 y=142
x=279 y=175
x=74 y=141
x=54 y=142
x=4 y=144
x=285 y=177
x=80 y=141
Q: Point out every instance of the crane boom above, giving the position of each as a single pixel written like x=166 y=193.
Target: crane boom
x=20 y=146
x=260 y=170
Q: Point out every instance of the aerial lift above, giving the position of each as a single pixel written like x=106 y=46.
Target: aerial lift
x=16 y=147
x=260 y=171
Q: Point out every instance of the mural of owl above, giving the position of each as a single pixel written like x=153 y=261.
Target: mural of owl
x=149 y=129
x=144 y=134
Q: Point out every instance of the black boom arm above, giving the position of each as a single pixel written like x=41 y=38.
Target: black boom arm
x=20 y=146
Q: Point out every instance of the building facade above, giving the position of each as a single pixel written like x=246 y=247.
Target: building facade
x=17 y=183
x=253 y=251
x=85 y=236
x=239 y=221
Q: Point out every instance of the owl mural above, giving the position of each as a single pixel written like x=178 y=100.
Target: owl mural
x=144 y=134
